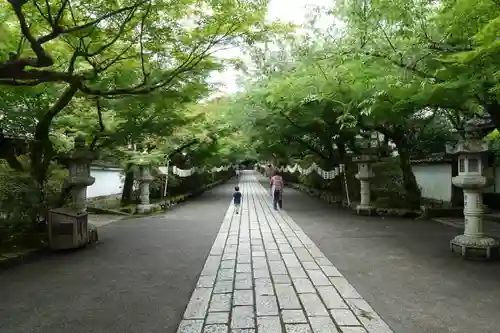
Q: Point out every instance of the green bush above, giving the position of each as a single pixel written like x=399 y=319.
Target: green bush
x=21 y=202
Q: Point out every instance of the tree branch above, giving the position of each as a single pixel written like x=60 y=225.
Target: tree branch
x=181 y=148
x=101 y=124
x=43 y=59
x=57 y=30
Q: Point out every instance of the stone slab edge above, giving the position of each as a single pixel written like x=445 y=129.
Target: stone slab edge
x=15 y=259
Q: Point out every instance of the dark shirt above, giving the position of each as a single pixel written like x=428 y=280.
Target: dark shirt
x=237 y=197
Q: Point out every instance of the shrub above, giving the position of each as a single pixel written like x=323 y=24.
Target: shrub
x=21 y=201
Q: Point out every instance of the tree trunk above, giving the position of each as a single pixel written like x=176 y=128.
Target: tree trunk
x=493 y=108
x=344 y=186
x=128 y=186
x=409 y=182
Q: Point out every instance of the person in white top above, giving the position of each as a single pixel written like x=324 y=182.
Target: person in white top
x=237 y=173
x=276 y=185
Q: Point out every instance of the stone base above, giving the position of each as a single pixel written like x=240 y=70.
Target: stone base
x=476 y=248
x=144 y=209
x=93 y=234
x=365 y=210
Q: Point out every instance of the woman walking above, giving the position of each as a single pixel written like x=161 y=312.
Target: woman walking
x=276 y=185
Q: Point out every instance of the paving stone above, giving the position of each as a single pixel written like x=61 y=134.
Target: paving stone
x=190 y=326
x=259 y=263
x=244 y=251
x=318 y=278
x=223 y=286
x=269 y=325
x=273 y=255
x=215 y=328
x=261 y=273
x=344 y=317
x=243 y=268
x=322 y=261
x=368 y=317
x=293 y=317
x=315 y=252
x=243 y=317
x=303 y=254
x=308 y=265
x=330 y=270
x=258 y=253
x=285 y=248
x=303 y=286
x=344 y=287
x=243 y=297
x=332 y=298
x=295 y=242
x=231 y=248
x=226 y=274
x=323 y=325
x=211 y=265
x=228 y=264
x=244 y=259
x=206 y=281
x=297 y=272
x=229 y=256
x=220 y=302
x=353 y=329
x=242 y=330
x=287 y=297
x=313 y=305
x=218 y=318
x=232 y=241
x=297 y=328
x=198 y=304
x=278 y=267
x=266 y=305
x=264 y=287
x=281 y=278
x=243 y=281
x=291 y=260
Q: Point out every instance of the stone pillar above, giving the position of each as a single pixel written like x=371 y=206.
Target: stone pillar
x=79 y=175
x=471 y=163
x=145 y=179
x=364 y=176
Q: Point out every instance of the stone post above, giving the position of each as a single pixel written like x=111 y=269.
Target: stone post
x=364 y=176
x=145 y=179
x=79 y=175
x=471 y=154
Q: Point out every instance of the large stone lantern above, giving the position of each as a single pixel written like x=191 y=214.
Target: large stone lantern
x=364 y=175
x=68 y=226
x=145 y=179
x=79 y=174
x=471 y=153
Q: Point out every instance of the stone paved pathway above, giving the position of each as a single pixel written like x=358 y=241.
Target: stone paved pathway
x=264 y=275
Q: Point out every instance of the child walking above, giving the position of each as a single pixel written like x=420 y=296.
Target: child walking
x=237 y=199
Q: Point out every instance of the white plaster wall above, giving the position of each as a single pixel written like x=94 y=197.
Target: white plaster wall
x=434 y=180
x=108 y=181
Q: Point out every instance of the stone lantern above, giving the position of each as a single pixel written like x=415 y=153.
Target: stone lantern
x=68 y=226
x=364 y=175
x=79 y=174
x=145 y=178
x=471 y=154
